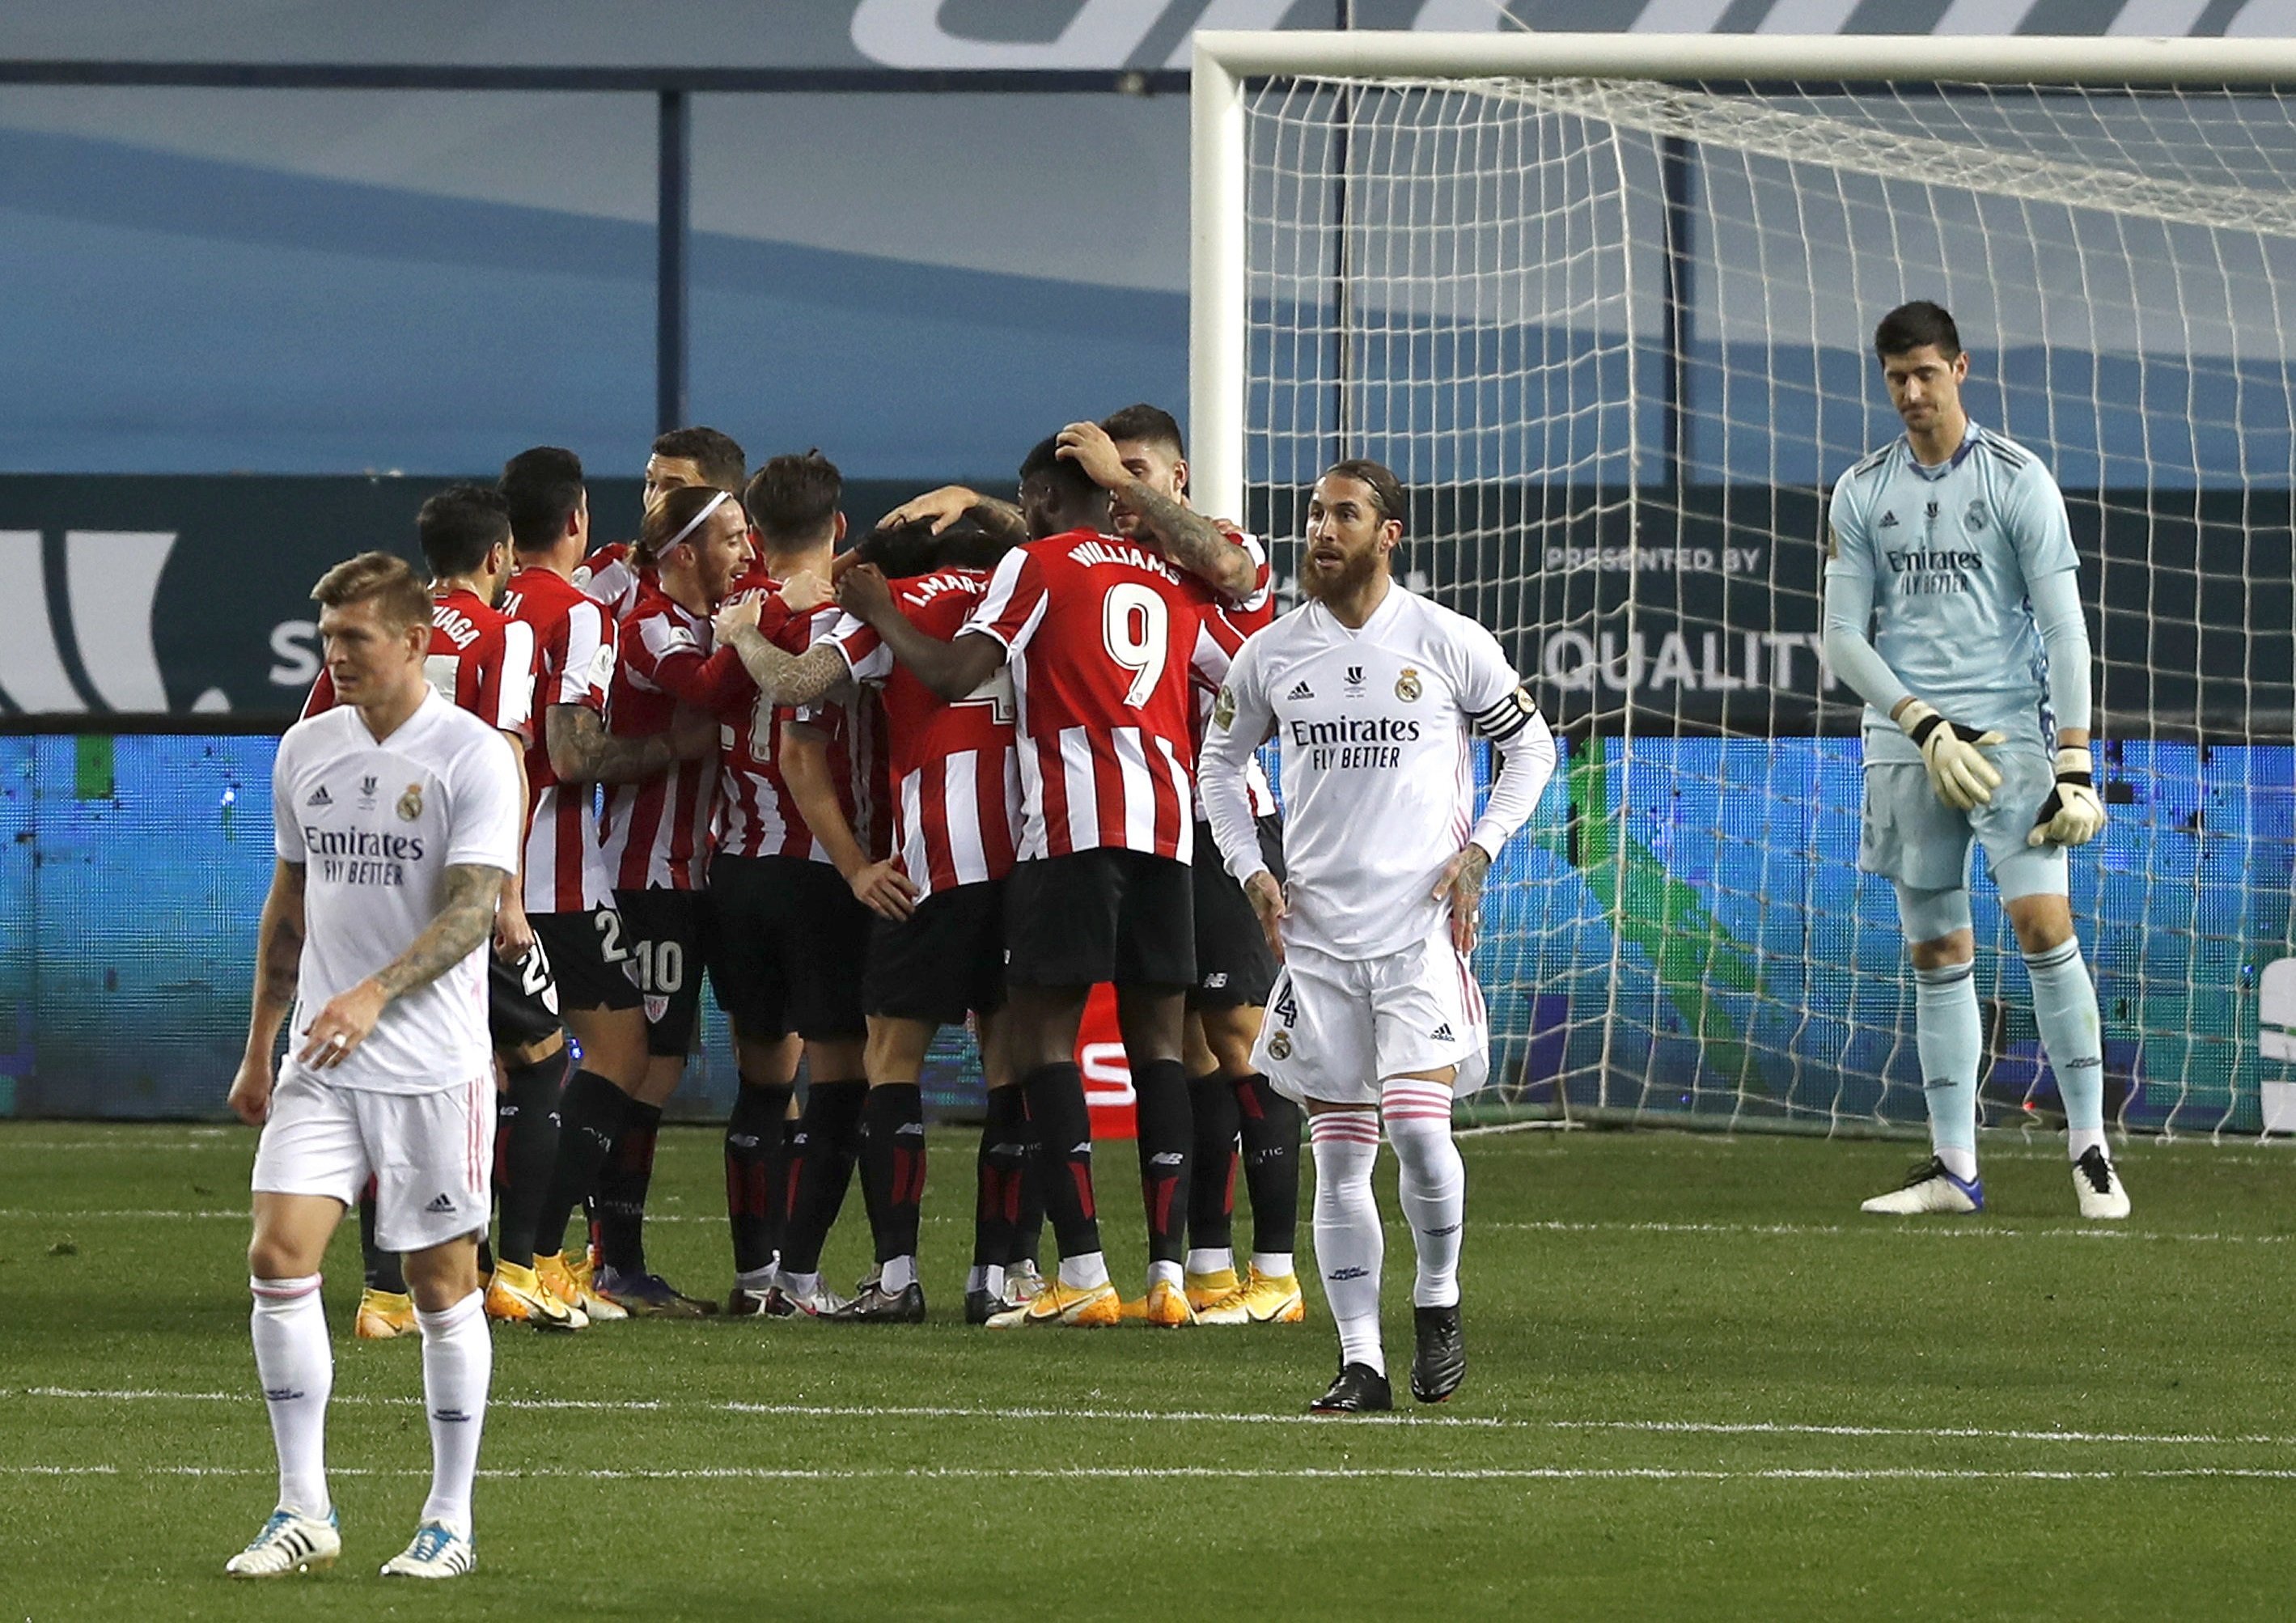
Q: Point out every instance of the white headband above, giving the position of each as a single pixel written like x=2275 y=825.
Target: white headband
x=694 y=523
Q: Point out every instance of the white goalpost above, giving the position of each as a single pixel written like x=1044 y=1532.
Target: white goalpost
x=1605 y=303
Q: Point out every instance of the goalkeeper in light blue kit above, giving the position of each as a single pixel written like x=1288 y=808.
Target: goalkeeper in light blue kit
x=1951 y=544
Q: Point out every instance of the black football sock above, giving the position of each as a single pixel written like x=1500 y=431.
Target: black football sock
x=623 y=1184
x=1211 y=1187
x=893 y=1166
x=1029 y=1226
x=381 y=1267
x=525 y=1155
x=754 y=1172
x=829 y=1136
x=1065 y=1131
x=1160 y=1106
x=1270 y=1123
x=996 y=1179
x=590 y=1116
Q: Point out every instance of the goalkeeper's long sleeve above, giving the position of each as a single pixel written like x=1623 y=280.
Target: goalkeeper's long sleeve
x=1848 y=610
x=1526 y=763
x=2064 y=638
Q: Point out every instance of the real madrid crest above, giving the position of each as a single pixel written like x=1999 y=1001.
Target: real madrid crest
x=1279 y=1046
x=1224 y=709
x=1406 y=686
x=410 y=804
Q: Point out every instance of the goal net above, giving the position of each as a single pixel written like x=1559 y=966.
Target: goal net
x=1606 y=308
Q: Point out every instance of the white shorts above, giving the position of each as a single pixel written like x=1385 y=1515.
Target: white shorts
x=1335 y=1027
x=430 y=1154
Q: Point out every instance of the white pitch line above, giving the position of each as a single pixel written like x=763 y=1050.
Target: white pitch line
x=808 y=1411
x=1187 y=1473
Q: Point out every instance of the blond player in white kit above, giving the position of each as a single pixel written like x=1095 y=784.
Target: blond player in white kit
x=397 y=821
x=1376 y=696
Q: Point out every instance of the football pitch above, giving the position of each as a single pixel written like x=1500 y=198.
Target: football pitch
x=1701 y=1385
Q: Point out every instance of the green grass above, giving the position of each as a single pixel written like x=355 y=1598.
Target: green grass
x=1700 y=1384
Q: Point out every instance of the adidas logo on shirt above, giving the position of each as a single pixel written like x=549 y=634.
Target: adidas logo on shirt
x=1889 y=521
x=1301 y=691
x=1443 y=1033
x=444 y=1204
x=320 y=797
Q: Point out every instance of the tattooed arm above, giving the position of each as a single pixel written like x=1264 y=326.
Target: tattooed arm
x=465 y=919
x=582 y=751
x=1188 y=538
x=278 y=964
x=782 y=676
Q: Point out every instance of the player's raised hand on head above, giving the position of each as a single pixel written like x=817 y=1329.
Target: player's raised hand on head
x=944 y=506
x=862 y=594
x=1089 y=446
x=805 y=591
x=1266 y=896
x=335 y=1033
x=1461 y=882
x=250 y=1091
x=885 y=890
x=1962 y=778
x=2073 y=814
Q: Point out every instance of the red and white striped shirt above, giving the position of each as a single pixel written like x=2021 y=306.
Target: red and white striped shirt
x=757 y=814
x=573 y=665
x=478 y=661
x=1102 y=636
x=1233 y=627
x=853 y=721
x=609 y=576
x=957 y=808
x=656 y=833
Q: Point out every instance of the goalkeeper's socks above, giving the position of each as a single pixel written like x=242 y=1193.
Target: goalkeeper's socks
x=1950 y=1038
x=829 y=1135
x=1431 y=1180
x=2064 y=1007
x=297 y=1368
x=1055 y=1096
x=754 y=1173
x=1161 y=1110
x=381 y=1266
x=623 y=1184
x=526 y=1116
x=997 y=1181
x=458 y=1362
x=1211 y=1171
x=893 y=1168
x=1271 y=1163
x=1350 y=1246
x=589 y=1119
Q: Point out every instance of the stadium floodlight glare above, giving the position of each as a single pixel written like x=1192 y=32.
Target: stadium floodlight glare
x=1605 y=303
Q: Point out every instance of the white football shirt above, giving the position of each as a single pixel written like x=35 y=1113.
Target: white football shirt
x=1375 y=731
x=374 y=827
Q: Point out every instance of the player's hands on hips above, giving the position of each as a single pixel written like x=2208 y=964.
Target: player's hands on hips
x=885 y=890
x=340 y=1028
x=250 y=1091
x=732 y=616
x=944 y=506
x=1462 y=883
x=1959 y=772
x=513 y=935
x=805 y=591
x=1266 y=899
x=1089 y=446
x=2073 y=814
x=862 y=594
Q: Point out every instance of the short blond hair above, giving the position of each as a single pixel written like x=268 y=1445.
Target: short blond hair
x=386 y=579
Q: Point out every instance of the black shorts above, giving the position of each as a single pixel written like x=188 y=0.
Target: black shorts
x=665 y=944
x=788 y=941
x=522 y=998
x=1235 y=969
x=1127 y=917
x=943 y=962
x=589 y=957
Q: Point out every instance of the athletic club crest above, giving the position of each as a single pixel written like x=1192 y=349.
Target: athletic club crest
x=410 y=804
x=1406 y=686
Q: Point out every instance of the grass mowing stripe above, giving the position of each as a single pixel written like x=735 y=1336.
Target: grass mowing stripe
x=1233 y=1473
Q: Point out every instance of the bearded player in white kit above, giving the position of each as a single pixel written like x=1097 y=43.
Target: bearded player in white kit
x=1375 y=695
x=397 y=821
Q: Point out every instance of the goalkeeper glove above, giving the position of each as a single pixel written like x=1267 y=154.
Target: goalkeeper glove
x=1959 y=773
x=2072 y=814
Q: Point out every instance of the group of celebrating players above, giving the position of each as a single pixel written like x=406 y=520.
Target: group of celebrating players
x=965 y=770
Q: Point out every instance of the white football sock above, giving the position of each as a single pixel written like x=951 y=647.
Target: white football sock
x=1272 y=1265
x=1088 y=1272
x=1164 y=1272
x=897 y=1275
x=297 y=1367
x=1210 y=1260
x=1350 y=1245
x=1431 y=1181
x=458 y=1362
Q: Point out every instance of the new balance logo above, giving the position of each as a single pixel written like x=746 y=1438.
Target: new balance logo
x=1168 y=1158
x=320 y=797
x=1442 y=1033
x=1889 y=521
x=445 y=1203
x=1301 y=691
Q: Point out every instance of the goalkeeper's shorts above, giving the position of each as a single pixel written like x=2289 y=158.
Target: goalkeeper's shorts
x=1917 y=840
